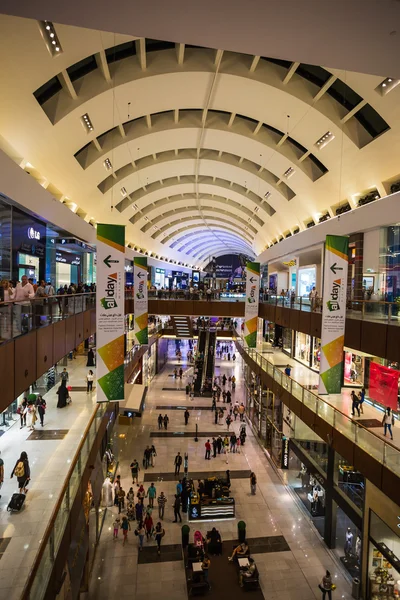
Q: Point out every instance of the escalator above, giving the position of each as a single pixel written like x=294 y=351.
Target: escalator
x=199 y=362
x=211 y=355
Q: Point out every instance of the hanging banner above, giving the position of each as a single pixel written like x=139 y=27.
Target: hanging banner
x=110 y=311
x=140 y=307
x=252 y=300
x=333 y=314
x=383 y=385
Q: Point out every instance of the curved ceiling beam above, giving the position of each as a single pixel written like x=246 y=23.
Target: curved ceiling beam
x=200 y=238
x=266 y=138
x=190 y=198
x=210 y=248
x=172 y=213
x=209 y=218
x=214 y=226
x=245 y=168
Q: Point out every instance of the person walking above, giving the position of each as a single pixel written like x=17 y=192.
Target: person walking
x=228 y=397
x=361 y=398
x=233 y=442
x=354 y=404
x=228 y=421
x=253 y=484
x=219 y=444
x=160 y=421
x=187 y=415
x=141 y=494
x=214 y=445
x=161 y=501
x=135 y=471
x=326 y=586
x=121 y=499
x=288 y=370
x=1 y=473
x=148 y=525
x=89 y=381
x=90 y=358
x=153 y=455
x=64 y=376
x=180 y=372
x=116 y=526
x=41 y=408
x=216 y=415
x=208 y=450
x=387 y=422
x=178 y=463
x=21 y=412
x=22 y=472
x=241 y=411
x=146 y=457
x=151 y=494
x=139 y=511
x=177 y=509
x=140 y=531
x=159 y=534
x=166 y=421
x=205 y=565
x=125 y=526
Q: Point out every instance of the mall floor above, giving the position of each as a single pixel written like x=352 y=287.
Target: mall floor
x=274 y=511
x=21 y=533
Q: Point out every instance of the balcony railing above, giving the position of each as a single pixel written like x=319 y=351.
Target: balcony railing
x=18 y=318
x=383 y=451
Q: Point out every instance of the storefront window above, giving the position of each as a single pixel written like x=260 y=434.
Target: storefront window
x=383 y=561
x=348 y=543
x=306 y=281
x=354 y=367
x=269 y=331
x=287 y=340
x=303 y=348
x=351 y=482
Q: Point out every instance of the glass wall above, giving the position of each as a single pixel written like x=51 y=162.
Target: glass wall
x=306 y=280
x=354 y=369
x=383 y=561
x=389 y=258
x=287 y=338
x=348 y=542
x=307 y=350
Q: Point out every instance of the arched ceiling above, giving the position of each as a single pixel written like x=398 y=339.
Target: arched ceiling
x=197 y=151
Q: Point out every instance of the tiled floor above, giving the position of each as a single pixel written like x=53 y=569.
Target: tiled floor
x=49 y=461
x=287 y=575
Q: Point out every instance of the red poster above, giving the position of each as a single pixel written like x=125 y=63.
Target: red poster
x=383 y=385
x=347 y=365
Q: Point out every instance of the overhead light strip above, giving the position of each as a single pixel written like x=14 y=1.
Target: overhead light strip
x=50 y=37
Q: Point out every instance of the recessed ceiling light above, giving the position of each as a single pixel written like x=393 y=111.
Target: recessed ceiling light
x=49 y=35
x=324 y=140
x=135 y=206
x=123 y=191
x=383 y=84
x=289 y=172
x=267 y=195
x=87 y=123
x=107 y=164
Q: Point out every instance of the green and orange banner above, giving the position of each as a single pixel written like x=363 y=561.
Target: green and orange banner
x=333 y=314
x=110 y=312
x=252 y=300
x=140 y=307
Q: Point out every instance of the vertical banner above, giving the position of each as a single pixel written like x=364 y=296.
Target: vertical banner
x=140 y=307
x=333 y=314
x=252 y=301
x=110 y=312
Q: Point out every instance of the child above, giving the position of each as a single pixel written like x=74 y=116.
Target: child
x=125 y=525
x=238 y=444
x=116 y=525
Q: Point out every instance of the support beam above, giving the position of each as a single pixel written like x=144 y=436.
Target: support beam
x=355 y=110
x=102 y=63
x=148 y=121
x=290 y=73
x=218 y=57
x=176 y=151
x=258 y=127
x=122 y=130
x=324 y=88
x=141 y=53
x=180 y=53
x=155 y=156
x=220 y=154
x=96 y=144
x=231 y=119
x=283 y=138
x=304 y=156
x=114 y=175
x=254 y=64
x=176 y=115
x=241 y=159
x=67 y=84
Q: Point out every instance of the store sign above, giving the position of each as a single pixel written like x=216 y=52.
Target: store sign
x=140 y=307
x=285 y=453
x=290 y=263
x=33 y=234
x=68 y=259
x=252 y=300
x=162 y=271
x=110 y=311
x=333 y=314
x=383 y=385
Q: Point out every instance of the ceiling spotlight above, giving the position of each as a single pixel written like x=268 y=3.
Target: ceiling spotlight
x=123 y=191
x=86 y=122
x=289 y=172
x=107 y=164
x=383 y=84
x=135 y=206
x=57 y=49
x=146 y=218
x=267 y=195
x=49 y=35
x=54 y=42
x=324 y=140
x=48 y=27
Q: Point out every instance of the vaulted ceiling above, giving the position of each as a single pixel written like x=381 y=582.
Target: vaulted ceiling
x=197 y=151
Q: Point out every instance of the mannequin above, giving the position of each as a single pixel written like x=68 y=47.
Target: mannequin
x=107 y=493
x=358 y=548
x=348 y=545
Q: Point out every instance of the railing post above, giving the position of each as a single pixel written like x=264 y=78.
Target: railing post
x=51 y=545
x=390 y=312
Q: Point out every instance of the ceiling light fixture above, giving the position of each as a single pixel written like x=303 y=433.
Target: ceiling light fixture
x=289 y=172
x=123 y=191
x=256 y=209
x=267 y=195
x=387 y=85
x=87 y=123
x=107 y=164
x=324 y=140
x=50 y=37
x=135 y=207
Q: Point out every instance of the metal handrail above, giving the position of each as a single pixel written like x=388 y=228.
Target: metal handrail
x=283 y=377
x=42 y=298
x=50 y=527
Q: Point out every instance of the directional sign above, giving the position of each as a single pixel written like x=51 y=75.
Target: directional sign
x=334 y=268
x=108 y=260
x=252 y=300
x=140 y=299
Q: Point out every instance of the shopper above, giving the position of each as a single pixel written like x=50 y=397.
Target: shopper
x=216 y=417
x=232 y=441
x=63 y=395
x=161 y=501
x=130 y=497
x=153 y=454
x=140 y=531
x=177 y=509
x=31 y=417
x=180 y=373
x=187 y=415
x=159 y=534
x=21 y=412
x=354 y=403
x=135 y=471
x=90 y=358
x=160 y=421
x=22 y=472
x=253 y=484
x=116 y=526
x=288 y=370
x=241 y=411
x=214 y=447
x=247 y=572
x=208 y=450
x=148 y=525
x=146 y=457
x=326 y=586
x=41 y=408
x=64 y=376
x=361 y=398
x=121 y=499
x=151 y=494
x=179 y=487
x=228 y=421
x=139 y=511
x=125 y=525
x=219 y=444
x=178 y=463
x=166 y=421
x=89 y=380
x=388 y=421
x=141 y=494
x=205 y=565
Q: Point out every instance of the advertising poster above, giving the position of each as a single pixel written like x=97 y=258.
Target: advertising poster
x=110 y=310
x=140 y=307
x=383 y=385
x=333 y=314
x=252 y=300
